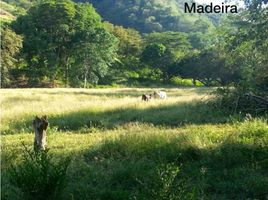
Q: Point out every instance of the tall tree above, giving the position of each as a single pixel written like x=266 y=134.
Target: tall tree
x=47 y=29
x=94 y=47
x=53 y=31
x=176 y=42
x=94 y=53
x=129 y=49
x=248 y=47
x=11 y=44
x=160 y=58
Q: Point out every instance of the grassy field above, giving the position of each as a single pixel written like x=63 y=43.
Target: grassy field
x=123 y=148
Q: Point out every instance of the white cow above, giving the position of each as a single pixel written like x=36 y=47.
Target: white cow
x=160 y=95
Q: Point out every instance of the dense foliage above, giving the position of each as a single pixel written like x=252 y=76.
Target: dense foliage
x=59 y=37
x=11 y=43
x=127 y=63
x=38 y=176
x=22 y=4
x=151 y=15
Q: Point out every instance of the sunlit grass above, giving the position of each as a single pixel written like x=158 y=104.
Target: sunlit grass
x=22 y=105
x=18 y=102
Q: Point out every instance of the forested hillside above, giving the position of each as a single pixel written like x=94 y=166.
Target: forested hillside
x=152 y=15
x=145 y=16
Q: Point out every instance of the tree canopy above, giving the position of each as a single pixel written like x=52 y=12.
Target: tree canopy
x=54 y=32
x=11 y=44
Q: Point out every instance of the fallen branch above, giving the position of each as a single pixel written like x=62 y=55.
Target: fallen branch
x=258 y=98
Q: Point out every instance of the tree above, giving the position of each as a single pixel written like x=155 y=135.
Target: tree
x=160 y=58
x=247 y=47
x=198 y=40
x=209 y=67
x=94 y=54
x=94 y=48
x=129 y=49
x=201 y=25
x=47 y=29
x=164 y=49
x=236 y=54
x=11 y=44
x=176 y=42
x=53 y=31
x=130 y=41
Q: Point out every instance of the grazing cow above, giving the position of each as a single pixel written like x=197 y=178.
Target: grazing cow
x=40 y=126
x=146 y=97
x=160 y=95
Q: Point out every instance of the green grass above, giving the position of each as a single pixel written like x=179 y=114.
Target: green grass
x=123 y=148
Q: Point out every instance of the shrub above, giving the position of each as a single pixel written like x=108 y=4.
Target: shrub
x=167 y=186
x=237 y=100
x=37 y=176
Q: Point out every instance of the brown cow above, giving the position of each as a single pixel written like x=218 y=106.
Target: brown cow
x=146 y=97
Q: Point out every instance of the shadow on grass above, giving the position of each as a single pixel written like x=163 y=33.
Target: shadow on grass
x=175 y=115
x=161 y=166
x=128 y=168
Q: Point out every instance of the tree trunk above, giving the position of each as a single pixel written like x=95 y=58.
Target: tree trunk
x=87 y=66
x=66 y=72
x=85 y=81
x=194 y=81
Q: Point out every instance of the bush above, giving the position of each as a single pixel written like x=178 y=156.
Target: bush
x=38 y=177
x=185 y=82
x=167 y=186
x=237 y=100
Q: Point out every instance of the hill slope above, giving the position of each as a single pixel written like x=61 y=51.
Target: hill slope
x=144 y=15
x=150 y=15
